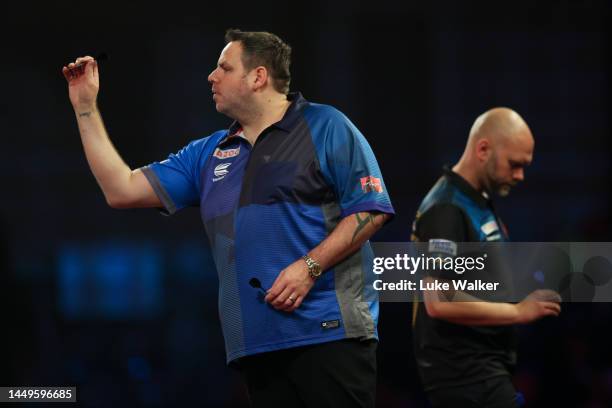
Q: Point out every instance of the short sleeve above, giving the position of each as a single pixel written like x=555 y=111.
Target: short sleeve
x=176 y=180
x=442 y=221
x=442 y=227
x=349 y=165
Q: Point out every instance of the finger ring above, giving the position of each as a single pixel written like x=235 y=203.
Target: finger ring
x=291 y=299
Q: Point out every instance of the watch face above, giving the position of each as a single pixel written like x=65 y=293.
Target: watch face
x=314 y=269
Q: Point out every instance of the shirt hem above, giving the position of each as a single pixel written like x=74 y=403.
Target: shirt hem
x=387 y=209
x=169 y=206
x=295 y=343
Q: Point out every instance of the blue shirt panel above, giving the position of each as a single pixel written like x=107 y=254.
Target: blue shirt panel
x=479 y=218
x=479 y=215
x=179 y=175
x=346 y=158
x=222 y=176
x=271 y=238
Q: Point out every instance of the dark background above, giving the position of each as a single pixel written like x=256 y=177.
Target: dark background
x=122 y=304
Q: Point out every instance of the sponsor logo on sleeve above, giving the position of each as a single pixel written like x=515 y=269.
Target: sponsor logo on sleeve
x=371 y=183
x=443 y=246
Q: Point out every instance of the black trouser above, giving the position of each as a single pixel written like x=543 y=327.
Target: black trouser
x=334 y=374
x=496 y=392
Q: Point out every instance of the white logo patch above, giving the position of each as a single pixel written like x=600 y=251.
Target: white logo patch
x=221 y=171
x=490 y=227
x=443 y=246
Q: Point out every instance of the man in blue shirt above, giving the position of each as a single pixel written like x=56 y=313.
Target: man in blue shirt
x=289 y=196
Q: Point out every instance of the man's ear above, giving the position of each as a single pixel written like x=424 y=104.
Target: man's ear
x=260 y=78
x=483 y=149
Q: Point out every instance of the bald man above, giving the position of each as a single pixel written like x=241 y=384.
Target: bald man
x=466 y=350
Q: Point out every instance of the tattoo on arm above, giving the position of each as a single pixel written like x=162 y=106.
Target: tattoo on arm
x=362 y=222
x=86 y=114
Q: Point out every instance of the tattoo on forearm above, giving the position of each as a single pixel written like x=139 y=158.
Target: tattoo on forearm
x=86 y=114
x=362 y=223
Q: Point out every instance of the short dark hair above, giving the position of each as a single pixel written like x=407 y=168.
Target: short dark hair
x=261 y=48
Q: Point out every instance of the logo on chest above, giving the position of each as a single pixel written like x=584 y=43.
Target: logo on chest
x=491 y=231
x=221 y=171
x=227 y=153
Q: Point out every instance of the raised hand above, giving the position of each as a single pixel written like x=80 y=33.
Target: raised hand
x=83 y=83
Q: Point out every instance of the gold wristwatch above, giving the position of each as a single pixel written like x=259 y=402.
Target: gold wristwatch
x=314 y=269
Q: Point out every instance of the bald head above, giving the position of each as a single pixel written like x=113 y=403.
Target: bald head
x=499 y=125
x=499 y=147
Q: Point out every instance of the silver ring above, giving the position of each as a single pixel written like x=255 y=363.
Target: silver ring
x=292 y=300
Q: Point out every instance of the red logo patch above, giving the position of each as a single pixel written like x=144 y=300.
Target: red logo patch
x=371 y=183
x=226 y=154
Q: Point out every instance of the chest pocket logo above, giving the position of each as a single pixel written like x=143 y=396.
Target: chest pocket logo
x=226 y=154
x=491 y=231
x=221 y=171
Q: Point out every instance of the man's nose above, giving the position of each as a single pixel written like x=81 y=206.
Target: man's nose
x=211 y=76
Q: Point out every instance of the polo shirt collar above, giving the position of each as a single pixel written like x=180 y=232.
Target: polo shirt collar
x=298 y=102
x=293 y=112
x=482 y=199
